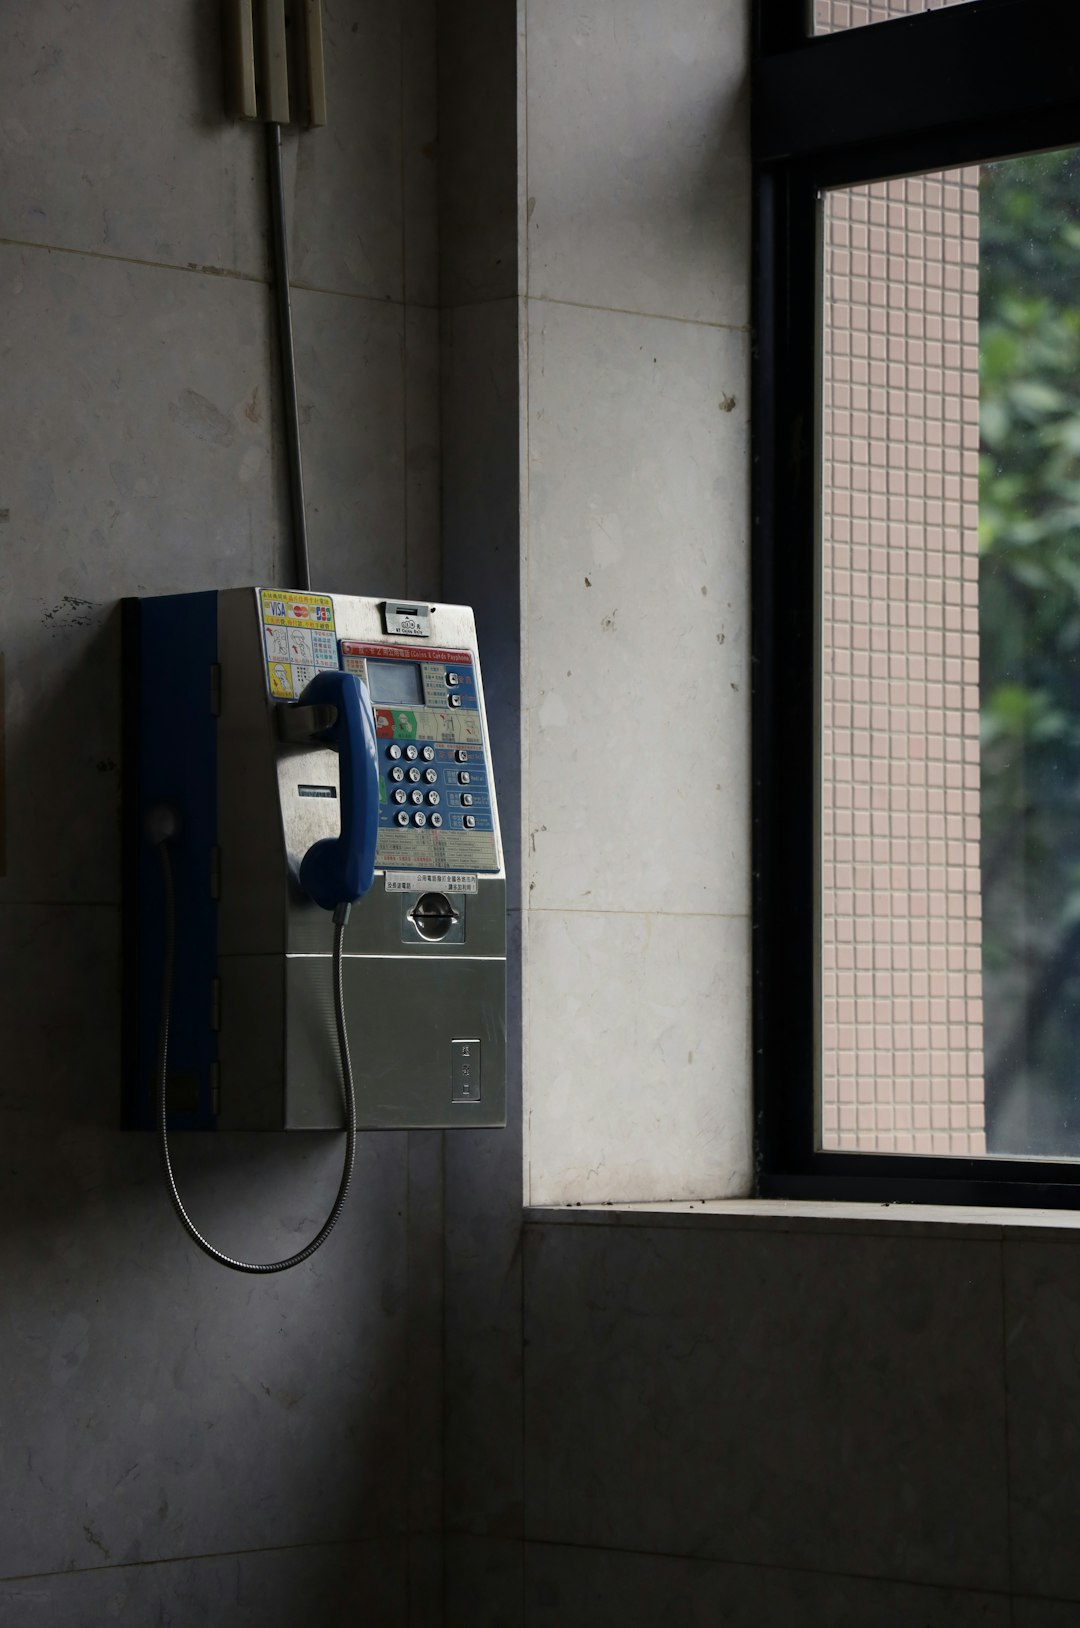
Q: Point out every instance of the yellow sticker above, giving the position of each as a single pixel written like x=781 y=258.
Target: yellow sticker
x=281 y=680
x=281 y=609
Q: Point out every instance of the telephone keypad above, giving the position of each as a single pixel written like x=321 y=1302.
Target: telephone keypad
x=435 y=773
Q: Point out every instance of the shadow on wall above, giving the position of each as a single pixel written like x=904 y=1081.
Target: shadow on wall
x=157 y=1405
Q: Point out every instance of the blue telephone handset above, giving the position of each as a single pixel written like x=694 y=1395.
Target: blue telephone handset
x=339 y=870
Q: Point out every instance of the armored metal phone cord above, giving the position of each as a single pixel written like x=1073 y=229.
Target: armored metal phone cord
x=341 y=916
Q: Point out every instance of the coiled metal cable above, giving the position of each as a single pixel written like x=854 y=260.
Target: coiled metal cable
x=341 y=916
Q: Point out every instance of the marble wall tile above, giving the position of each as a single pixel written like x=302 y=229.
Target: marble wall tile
x=60 y=1015
x=824 y=1403
x=423 y=569
x=1044 y=1613
x=426 y=1309
x=350 y=357
x=159 y=1405
x=115 y=138
x=425 y=1609
x=482 y=566
x=637 y=686
x=138 y=459
x=334 y=1585
x=638 y=173
x=344 y=182
x=478 y=152
x=134 y=414
x=638 y=1061
x=1042 y=1342
x=593 y=1588
x=484 y=1581
x=420 y=152
x=483 y=1491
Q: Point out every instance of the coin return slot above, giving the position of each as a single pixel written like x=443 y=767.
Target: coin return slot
x=433 y=916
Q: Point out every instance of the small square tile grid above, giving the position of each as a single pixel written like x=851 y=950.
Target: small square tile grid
x=831 y=15
x=902 y=1052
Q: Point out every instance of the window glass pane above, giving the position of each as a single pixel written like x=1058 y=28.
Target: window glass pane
x=830 y=15
x=950 y=791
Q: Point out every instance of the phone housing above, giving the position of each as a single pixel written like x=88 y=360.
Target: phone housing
x=215 y=732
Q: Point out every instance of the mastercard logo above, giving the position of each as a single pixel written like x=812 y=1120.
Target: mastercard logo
x=300 y=610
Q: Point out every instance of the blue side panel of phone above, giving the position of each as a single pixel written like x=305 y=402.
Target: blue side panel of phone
x=177 y=764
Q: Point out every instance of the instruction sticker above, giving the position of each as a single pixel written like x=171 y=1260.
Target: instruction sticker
x=298 y=639
x=431 y=882
x=297 y=610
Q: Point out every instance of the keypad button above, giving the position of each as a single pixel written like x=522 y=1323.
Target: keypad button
x=412 y=753
x=466 y=799
x=436 y=820
x=397 y=774
x=393 y=752
x=433 y=798
x=454 y=700
x=419 y=818
x=416 y=796
x=470 y=822
x=414 y=775
x=461 y=755
x=431 y=775
x=428 y=754
x=399 y=796
x=452 y=679
x=464 y=777
x=402 y=817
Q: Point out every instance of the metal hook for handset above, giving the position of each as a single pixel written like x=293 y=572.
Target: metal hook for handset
x=339 y=870
x=297 y=725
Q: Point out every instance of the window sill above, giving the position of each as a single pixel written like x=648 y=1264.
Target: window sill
x=802 y=1215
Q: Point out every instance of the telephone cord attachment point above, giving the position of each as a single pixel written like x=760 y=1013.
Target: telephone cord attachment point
x=341 y=917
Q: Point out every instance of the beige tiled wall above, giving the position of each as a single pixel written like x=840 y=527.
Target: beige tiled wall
x=830 y=15
x=901 y=952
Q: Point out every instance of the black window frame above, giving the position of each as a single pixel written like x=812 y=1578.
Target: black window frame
x=979 y=80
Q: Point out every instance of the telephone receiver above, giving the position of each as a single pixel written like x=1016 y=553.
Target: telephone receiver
x=339 y=870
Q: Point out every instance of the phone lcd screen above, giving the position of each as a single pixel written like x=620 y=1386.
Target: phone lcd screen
x=395 y=682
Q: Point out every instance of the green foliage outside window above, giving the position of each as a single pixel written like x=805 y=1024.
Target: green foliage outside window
x=1029 y=494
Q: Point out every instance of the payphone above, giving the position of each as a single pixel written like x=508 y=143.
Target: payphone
x=288 y=754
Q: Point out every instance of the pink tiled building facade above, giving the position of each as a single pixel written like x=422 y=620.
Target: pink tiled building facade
x=901 y=997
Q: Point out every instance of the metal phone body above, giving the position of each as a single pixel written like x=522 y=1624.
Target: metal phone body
x=212 y=730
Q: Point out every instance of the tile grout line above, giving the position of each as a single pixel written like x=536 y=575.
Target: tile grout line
x=789 y=1570
x=405 y=315
x=651 y=316
x=193 y=1559
x=226 y=273
x=674 y=915
x=524 y=527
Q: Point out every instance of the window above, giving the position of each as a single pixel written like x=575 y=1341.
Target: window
x=917 y=603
